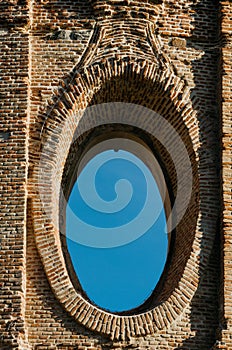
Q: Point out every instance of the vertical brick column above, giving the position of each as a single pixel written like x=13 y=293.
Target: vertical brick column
x=225 y=341
x=14 y=108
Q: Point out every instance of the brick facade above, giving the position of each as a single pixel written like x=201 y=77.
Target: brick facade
x=59 y=58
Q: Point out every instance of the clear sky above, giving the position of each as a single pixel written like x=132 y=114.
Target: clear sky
x=116 y=230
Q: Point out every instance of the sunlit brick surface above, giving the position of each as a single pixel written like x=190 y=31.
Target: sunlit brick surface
x=59 y=57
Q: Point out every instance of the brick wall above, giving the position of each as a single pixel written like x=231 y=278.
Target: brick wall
x=58 y=58
x=14 y=111
x=225 y=340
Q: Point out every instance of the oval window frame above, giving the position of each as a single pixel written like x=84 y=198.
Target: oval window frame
x=55 y=134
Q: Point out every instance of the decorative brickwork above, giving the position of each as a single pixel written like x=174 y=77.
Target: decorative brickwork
x=57 y=153
x=157 y=58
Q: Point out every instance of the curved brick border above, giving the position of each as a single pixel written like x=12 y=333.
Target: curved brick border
x=57 y=134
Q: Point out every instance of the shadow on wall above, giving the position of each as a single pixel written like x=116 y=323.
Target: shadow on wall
x=205 y=302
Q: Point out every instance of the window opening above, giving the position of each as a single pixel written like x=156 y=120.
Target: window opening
x=116 y=233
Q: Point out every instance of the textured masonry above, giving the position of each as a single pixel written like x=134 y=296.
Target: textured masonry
x=60 y=57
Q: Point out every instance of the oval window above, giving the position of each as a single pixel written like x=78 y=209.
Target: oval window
x=116 y=232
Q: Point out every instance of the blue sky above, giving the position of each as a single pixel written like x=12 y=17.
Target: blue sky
x=112 y=191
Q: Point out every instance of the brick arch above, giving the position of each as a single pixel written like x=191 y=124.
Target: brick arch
x=58 y=130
